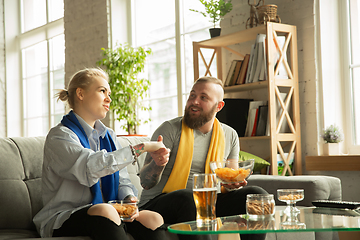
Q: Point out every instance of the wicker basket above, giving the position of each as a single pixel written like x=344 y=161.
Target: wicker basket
x=268 y=13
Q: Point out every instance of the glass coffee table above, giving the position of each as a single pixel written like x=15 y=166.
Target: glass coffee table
x=309 y=219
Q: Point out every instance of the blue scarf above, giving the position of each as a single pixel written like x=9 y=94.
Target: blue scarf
x=110 y=183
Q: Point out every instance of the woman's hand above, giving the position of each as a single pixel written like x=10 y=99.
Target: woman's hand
x=132 y=198
x=161 y=155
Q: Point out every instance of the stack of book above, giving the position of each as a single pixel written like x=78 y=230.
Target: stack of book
x=237 y=72
x=258 y=118
x=253 y=67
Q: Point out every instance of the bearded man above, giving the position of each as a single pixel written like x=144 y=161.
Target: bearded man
x=194 y=140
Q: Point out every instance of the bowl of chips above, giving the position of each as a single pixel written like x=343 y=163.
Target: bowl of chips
x=125 y=208
x=232 y=171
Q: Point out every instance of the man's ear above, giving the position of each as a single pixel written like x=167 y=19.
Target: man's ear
x=220 y=105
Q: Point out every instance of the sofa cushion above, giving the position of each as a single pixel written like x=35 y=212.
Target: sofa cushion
x=18 y=233
x=315 y=187
x=259 y=162
x=20 y=192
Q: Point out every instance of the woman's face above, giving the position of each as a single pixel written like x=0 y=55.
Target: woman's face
x=95 y=101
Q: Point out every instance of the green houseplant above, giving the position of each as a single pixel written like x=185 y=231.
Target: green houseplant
x=123 y=65
x=215 y=10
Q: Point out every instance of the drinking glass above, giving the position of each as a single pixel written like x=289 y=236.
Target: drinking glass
x=204 y=190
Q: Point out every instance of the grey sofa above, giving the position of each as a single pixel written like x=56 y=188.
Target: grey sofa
x=20 y=188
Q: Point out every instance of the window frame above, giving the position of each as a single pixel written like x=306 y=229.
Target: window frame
x=15 y=42
x=180 y=57
x=349 y=127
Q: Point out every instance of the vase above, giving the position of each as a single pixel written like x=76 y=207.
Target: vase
x=215 y=32
x=331 y=149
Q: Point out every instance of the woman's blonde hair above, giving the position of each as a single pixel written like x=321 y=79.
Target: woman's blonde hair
x=81 y=79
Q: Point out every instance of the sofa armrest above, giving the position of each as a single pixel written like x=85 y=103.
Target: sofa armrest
x=315 y=187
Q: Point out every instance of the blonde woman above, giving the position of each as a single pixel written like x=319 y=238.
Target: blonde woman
x=85 y=167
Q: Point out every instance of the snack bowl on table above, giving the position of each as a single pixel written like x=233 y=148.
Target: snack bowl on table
x=232 y=171
x=290 y=197
x=125 y=208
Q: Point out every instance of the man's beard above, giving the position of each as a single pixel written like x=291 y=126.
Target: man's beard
x=197 y=122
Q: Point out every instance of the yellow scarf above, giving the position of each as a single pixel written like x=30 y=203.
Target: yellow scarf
x=181 y=170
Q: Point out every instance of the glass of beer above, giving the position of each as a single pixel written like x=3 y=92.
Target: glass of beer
x=204 y=190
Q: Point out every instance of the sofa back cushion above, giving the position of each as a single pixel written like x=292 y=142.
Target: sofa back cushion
x=20 y=181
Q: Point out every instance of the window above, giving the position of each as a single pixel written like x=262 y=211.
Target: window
x=42 y=60
x=339 y=32
x=354 y=66
x=170 y=67
x=350 y=43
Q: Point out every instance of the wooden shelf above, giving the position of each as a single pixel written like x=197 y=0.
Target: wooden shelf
x=233 y=38
x=279 y=142
x=255 y=138
x=333 y=163
x=247 y=87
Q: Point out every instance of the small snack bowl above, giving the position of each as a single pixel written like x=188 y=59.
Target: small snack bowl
x=231 y=171
x=125 y=208
x=260 y=205
x=290 y=196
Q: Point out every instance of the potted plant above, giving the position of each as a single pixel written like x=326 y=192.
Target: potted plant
x=332 y=136
x=123 y=64
x=215 y=10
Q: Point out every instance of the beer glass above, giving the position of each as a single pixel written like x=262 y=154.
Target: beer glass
x=204 y=190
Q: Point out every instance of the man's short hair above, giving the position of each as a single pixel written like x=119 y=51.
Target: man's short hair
x=210 y=79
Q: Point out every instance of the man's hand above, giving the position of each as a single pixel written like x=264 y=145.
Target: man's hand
x=234 y=186
x=160 y=156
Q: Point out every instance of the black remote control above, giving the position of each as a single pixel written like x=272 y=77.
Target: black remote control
x=336 y=204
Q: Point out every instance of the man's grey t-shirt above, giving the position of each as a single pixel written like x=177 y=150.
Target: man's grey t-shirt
x=171 y=132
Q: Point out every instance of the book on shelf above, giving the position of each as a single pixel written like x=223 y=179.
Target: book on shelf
x=263 y=70
x=236 y=73
x=254 y=62
x=251 y=122
x=235 y=114
x=230 y=74
x=259 y=65
x=243 y=70
x=248 y=73
x=254 y=127
x=262 y=120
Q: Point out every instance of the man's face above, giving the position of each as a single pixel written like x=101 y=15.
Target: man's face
x=202 y=105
